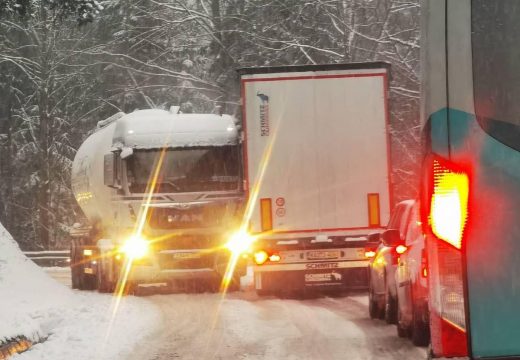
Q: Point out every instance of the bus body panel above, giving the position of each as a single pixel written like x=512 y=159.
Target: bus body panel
x=489 y=259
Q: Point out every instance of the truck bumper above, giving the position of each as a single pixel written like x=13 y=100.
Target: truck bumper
x=157 y=270
x=314 y=276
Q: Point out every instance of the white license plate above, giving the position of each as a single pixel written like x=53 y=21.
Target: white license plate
x=88 y=271
x=186 y=255
x=323 y=255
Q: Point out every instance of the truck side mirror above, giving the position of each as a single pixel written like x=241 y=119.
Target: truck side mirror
x=110 y=171
x=391 y=237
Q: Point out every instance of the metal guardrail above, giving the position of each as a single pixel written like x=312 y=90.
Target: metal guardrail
x=60 y=258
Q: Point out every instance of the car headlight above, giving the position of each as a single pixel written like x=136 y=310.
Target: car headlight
x=135 y=247
x=240 y=242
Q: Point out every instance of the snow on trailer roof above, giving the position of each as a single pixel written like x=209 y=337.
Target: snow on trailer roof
x=319 y=67
x=154 y=128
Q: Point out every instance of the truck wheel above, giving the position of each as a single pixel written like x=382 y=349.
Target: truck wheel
x=88 y=282
x=103 y=285
x=74 y=273
x=234 y=284
x=420 y=330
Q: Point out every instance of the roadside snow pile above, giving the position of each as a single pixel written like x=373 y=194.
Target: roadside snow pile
x=72 y=325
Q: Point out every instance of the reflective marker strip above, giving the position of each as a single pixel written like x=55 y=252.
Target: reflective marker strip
x=266 y=214
x=374 y=219
x=312 y=266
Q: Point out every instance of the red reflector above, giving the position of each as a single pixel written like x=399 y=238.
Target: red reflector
x=401 y=249
x=449 y=204
x=450 y=341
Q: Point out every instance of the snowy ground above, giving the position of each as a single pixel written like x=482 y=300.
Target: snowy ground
x=243 y=326
x=203 y=326
x=70 y=324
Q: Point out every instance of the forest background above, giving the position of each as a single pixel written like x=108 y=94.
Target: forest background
x=66 y=64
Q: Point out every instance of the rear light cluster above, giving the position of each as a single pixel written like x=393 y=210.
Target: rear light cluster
x=447 y=218
x=261 y=257
x=449 y=204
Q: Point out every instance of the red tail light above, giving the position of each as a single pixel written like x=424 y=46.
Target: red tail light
x=447 y=215
x=401 y=249
x=449 y=204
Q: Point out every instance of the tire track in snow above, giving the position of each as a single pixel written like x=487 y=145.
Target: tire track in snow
x=251 y=328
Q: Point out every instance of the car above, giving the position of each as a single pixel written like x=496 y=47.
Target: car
x=382 y=292
x=412 y=285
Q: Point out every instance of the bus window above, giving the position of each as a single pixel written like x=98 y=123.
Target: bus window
x=496 y=68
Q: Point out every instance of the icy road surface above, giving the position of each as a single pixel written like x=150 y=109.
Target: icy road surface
x=244 y=326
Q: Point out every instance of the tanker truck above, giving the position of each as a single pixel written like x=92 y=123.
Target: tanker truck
x=163 y=194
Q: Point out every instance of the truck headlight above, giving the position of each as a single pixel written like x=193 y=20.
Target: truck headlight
x=240 y=242
x=135 y=247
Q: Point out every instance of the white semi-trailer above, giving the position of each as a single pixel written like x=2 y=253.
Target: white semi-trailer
x=163 y=194
x=317 y=156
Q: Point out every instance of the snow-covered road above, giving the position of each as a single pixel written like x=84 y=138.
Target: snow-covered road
x=243 y=326
x=201 y=326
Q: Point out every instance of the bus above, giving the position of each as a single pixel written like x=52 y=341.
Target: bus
x=470 y=184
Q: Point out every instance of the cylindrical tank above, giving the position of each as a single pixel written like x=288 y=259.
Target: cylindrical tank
x=87 y=176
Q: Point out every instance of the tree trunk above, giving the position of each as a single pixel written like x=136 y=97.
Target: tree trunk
x=44 y=173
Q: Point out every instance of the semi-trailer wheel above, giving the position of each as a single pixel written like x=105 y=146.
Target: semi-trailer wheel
x=74 y=273
x=103 y=284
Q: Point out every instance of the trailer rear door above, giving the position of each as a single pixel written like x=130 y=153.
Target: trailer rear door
x=317 y=148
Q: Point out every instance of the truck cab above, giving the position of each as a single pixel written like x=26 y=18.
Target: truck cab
x=164 y=191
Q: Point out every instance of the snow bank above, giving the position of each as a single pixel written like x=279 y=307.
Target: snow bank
x=73 y=324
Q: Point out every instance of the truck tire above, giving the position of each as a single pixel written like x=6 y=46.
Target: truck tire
x=103 y=284
x=74 y=273
x=420 y=331
x=234 y=284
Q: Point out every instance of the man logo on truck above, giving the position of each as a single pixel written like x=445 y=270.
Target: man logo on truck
x=264 y=114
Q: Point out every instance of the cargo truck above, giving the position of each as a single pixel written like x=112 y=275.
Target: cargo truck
x=317 y=163
x=163 y=194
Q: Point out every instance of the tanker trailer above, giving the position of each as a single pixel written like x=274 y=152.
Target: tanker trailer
x=163 y=194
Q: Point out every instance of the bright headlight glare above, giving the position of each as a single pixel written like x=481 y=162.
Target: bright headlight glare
x=135 y=247
x=240 y=242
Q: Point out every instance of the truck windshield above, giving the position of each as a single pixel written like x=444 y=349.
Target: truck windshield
x=185 y=170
